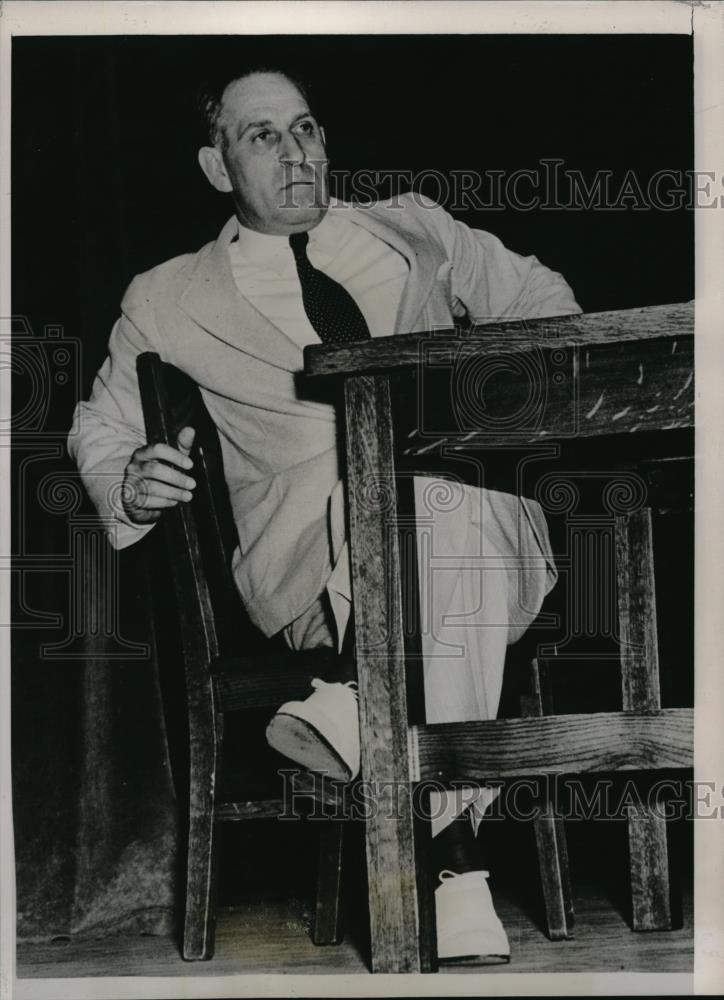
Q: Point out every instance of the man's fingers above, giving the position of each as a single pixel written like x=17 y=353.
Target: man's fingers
x=154 y=502
x=163 y=453
x=185 y=440
x=158 y=472
x=144 y=494
x=154 y=479
x=156 y=490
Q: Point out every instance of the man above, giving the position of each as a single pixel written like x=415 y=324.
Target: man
x=289 y=269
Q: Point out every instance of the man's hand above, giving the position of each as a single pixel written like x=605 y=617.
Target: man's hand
x=153 y=480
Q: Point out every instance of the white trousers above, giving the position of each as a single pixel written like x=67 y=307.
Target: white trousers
x=483 y=571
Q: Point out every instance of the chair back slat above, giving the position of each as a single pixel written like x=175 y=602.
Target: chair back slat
x=210 y=508
x=196 y=618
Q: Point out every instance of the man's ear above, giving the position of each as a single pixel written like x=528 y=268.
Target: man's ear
x=212 y=164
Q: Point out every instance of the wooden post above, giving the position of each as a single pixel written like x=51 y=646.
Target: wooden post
x=328 y=922
x=550 y=833
x=650 y=888
x=401 y=942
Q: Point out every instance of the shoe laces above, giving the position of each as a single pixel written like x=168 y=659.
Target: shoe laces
x=317 y=683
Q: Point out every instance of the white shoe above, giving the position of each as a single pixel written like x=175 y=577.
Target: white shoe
x=468 y=928
x=322 y=732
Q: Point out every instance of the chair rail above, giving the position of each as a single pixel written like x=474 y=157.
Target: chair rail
x=554 y=744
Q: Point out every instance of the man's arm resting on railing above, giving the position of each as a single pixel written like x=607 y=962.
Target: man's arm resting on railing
x=492 y=282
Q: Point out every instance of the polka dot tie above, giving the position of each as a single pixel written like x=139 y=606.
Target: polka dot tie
x=330 y=308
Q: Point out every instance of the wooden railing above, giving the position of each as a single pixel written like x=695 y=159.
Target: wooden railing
x=616 y=372
x=613 y=376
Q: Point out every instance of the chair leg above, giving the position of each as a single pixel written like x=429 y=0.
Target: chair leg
x=397 y=943
x=426 y=877
x=650 y=883
x=328 y=919
x=550 y=832
x=555 y=878
x=200 y=906
x=200 y=909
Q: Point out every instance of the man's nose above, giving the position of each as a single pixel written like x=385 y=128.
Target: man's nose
x=290 y=150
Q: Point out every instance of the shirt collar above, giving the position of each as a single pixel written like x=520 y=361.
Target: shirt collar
x=274 y=252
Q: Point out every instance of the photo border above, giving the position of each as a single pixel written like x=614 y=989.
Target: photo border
x=706 y=22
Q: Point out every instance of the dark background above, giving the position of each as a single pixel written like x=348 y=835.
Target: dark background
x=106 y=184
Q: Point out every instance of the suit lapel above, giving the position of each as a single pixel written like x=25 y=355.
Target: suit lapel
x=212 y=300
x=414 y=247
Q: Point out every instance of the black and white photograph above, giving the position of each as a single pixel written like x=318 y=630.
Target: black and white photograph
x=360 y=488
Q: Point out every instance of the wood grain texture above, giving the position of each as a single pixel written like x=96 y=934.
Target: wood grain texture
x=552 y=848
x=650 y=882
x=628 y=371
x=550 y=831
x=649 y=862
x=393 y=895
x=637 y=612
x=233 y=812
x=586 y=330
x=557 y=744
x=525 y=397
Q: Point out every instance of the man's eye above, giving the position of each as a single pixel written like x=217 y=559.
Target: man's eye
x=306 y=127
x=261 y=137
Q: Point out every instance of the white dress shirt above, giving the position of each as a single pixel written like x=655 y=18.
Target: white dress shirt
x=373 y=273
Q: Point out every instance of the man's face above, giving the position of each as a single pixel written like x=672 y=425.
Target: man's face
x=272 y=156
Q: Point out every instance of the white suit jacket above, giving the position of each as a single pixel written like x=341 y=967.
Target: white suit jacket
x=279 y=449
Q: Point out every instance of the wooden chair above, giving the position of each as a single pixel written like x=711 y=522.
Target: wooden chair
x=225 y=668
x=625 y=373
